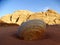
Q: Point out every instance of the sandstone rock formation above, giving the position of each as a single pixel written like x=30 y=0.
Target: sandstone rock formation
x=50 y=17
x=32 y=30
x=1 y=21
x=17 y=17
x=6 y=18
x=20 y=16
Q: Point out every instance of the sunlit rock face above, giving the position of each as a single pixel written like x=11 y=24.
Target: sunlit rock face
x=20 y=16
x=49 y=16
x=1 y=21
x=17 y=17
x=6 y=18
x=32 y=30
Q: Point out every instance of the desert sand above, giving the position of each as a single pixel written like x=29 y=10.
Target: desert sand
x=8 y=36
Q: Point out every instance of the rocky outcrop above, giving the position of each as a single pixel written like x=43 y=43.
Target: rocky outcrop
x=17 y=17
x=32 y=30
x=50 y=17
x=20 y=16
x=6 y=18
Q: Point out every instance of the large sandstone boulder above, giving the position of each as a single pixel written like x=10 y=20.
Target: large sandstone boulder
x=32 y=30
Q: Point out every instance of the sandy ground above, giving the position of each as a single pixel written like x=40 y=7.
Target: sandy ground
x=8 y=36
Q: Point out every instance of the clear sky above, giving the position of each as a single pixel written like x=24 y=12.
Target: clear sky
x=9 y=6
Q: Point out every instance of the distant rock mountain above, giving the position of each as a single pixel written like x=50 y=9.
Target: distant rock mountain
x=17 y=17
x=50 y=17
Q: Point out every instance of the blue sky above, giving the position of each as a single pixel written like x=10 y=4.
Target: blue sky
x=9 y=6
